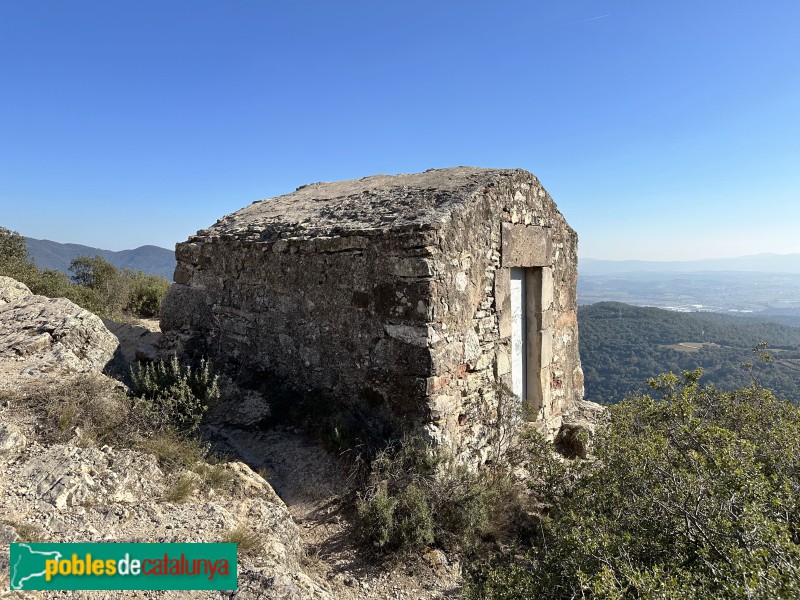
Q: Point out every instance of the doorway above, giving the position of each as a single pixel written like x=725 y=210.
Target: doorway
x=525 y=285
x=519 y=333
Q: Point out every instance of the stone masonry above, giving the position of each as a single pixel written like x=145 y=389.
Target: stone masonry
x=391 y=294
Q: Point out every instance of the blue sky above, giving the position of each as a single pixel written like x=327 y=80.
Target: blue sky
x=664 y=130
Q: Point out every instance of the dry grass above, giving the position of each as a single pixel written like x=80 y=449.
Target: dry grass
x=174 y=451
x=90 y=403
x=27 y=532
x=248 y=541
x=216 y=476
x=181 y=490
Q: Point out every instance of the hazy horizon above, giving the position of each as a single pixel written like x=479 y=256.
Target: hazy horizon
x=583 y=258
x=662 y=131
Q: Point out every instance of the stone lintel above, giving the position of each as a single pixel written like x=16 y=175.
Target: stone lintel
x=526 y=246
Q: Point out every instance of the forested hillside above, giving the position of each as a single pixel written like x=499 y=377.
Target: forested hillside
x=622 y=346
x=148 y=259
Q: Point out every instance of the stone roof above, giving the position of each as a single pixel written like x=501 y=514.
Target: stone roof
x=370 y=204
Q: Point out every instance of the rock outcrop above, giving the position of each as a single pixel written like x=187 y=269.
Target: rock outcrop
x=47 y=337
x=578 y=426
x=12 y=290
x=66 y=493
x=75 y=491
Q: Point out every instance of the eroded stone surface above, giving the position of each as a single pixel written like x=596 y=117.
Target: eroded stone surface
x=577 y=430
x=70 y=493
x=12 y=441
x=137 y=341
x=48 y=337
x=12 y=290
x=389 y=293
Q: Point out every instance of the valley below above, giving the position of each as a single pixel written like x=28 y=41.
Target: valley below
x=746 y=294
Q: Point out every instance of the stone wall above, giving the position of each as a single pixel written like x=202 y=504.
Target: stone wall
x=396 y=305
x=513 y=223
x=344 y=317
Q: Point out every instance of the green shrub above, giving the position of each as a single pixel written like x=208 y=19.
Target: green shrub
x=172 y=395
x=416 y=496
x=110 y=287
x=54 y=284
x=146 y=293
x=462 y=507
x=12 y=246
x=693 y=495
x=502 y=577
x=14 y=259
x=24 y=272
x=116 y=291
x=376 y=517
x=413 y=525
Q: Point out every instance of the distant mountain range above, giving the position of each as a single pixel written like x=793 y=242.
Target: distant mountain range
x=763 y=263
x=761 y=284
x=150 y=259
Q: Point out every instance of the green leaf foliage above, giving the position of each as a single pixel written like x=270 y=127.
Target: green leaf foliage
x=174 y=396
x=695 y=494
x=416 y=496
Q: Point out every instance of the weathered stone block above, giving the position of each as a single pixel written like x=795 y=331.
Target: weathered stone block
x=526 y=246
x=544 y=343
x=502 y=301
x=503 y=365
x=547 y=289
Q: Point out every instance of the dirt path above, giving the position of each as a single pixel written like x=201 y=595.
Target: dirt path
x=314 y=485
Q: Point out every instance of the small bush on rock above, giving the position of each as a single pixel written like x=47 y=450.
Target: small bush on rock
x=14 y=259
x=181 y=490
x=249 y=541
x=173 y=450
x=416 y=496
x=172 y=395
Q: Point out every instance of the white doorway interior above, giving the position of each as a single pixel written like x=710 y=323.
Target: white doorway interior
x=519 y=334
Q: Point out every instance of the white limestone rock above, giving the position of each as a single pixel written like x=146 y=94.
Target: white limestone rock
x=12 y=290
x=48 y=337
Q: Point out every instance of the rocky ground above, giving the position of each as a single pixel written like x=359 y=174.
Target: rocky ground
x=296 y=543
x=318 y=495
